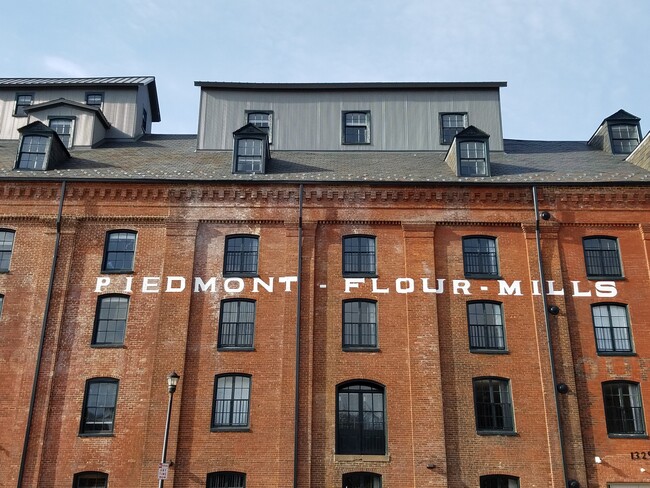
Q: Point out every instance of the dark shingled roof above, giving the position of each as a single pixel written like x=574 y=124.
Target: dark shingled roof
x=174 y=157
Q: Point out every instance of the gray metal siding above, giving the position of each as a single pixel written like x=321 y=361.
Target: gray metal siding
x=400 y=120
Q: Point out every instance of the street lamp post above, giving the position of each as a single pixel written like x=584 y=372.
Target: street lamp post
x=172 y=381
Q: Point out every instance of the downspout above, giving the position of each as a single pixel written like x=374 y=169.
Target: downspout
x=298 y=304
x=548 y=332
x=39 y=354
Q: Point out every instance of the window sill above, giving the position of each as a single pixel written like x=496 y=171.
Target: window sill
x=489 y=351
x=84 y=434
x=360 y=275
x=483 y=276
x=606 y=278
x=108 y=346
x=232 y=274
x=376 y=458
x=19 y=116
x=355 y=143
x=117 y=271
x=506 y=433
x=230 y=429
x=628 y=436
x=361 y=349
x=616 y=353
x=235 y=349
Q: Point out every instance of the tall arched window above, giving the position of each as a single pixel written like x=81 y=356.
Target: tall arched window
x=360 y=413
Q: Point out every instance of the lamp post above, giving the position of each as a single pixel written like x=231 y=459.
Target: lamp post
x=172 y=381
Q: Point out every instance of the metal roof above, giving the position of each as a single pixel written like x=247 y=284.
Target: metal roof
x=225 y=85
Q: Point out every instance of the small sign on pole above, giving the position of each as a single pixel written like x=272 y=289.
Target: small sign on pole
x=163 y=471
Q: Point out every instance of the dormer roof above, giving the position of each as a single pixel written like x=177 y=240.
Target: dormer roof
x=64 y=101
x=250 y=130
x=622 y=115
x=472 y=131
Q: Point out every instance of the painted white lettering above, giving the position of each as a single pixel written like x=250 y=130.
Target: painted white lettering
x=353 y=283
x=552 y=290
x=375 y=287
x=461 y=285
x=200 y=285
x=259 y=282
x=410 y=285
x=150 y=284
x=535 y=284
x=440 y=283
x=287 y=280
x=238 y=288
x=170 y=284
x=577 y=292
x=606 y=289
x=102 y=282
x=514 y=289
x=129 y=283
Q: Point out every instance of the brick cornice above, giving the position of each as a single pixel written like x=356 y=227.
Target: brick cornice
x=605 y=197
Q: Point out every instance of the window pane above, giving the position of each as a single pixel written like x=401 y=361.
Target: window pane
x=361 y=480
x=360 y=324
x=356 y=128
x=360 y=420
x=485 y=326
x=119 y=252
x=452 y=124
x=493 y=405
x=237 y=323
x=110 y=322
x=226 y=480
x=63 y=127
x=359 y=255
x=99 y=409
x=32 y=152
x=6 y=248
x=602 y=257
x=480 y=256
x=91 y=480
x=249 y=156
x=623 y=408
x=232 y=396
x=241 y=255
x=612 y=328
x=625 y=138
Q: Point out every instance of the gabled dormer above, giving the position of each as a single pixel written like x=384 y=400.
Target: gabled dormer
x=40 y=148
x=469 y=153
x=251 y=150
x=620 y=133
x=78 y=124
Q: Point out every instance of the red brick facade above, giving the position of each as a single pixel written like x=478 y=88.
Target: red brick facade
x=423 y=361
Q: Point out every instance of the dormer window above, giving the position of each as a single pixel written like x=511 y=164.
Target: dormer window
x=450 y=125
x=63 y=127
x=356 y=127
x=251 y=150
x=22 y=102
x=469 y=153
x=95 y=99
x=39 y=148
x=624 y=138
x=262 y=120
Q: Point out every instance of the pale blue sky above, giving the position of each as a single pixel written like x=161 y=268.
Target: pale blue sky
x=568 y=63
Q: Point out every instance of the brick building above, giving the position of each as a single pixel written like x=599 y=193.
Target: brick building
x=360 y=285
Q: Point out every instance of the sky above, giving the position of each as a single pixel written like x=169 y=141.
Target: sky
x=568 y=63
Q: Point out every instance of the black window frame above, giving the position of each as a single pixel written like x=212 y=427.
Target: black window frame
x=238 y=325
x=231 y=424
x=498 y=481
x=98 y=328
x=213 y=481
x=463 y=162
x=355 y=440
x=484 y=337
x=345 y=125
x=489 y=423
x=92 y=476
x=623 y=414
x=2 y=304
x=107 y=244
x=6 y=254
x=358 y=326
x=246 y=163
x=359 y=267
x=486 y=270
x=446 y=136
x=361 y=479
x=269 y=114
x=64 y=137
x=600 y=259
x=243 y=269
x=609 y=331
x=84 y=430
x=621 y=145
x=19 y=108
x=99 y=105
x=143 y=126
x=40 y=163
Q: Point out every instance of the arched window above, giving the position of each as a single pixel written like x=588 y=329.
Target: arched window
x=226 y=479
x=360 y=413
x=110 y=320
x=119 y=251
x=90 y=479
x=361 y=480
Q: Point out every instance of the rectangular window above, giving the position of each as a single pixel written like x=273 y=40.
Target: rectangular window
x=119 y=252
x=63 y=127
x=359 y=256
x=485 y=326
x=480 y=257
x=359 y=324
x=493 y=405
x=625 y=138
x=236 y=324
x=226 y=479
x=249 y=156
x=473 y=160
x=241 y=256
x=623 y=408
x=99 y=406
x=231 y=401
x=612 y=328
x=95 y=99
x=6 y=248
x=602 y=257
x=33 y=150
x=261 y=120
x=22 y=102
x=110 y=320
x=499 y=481
x=450 y=125
x=356 y=127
